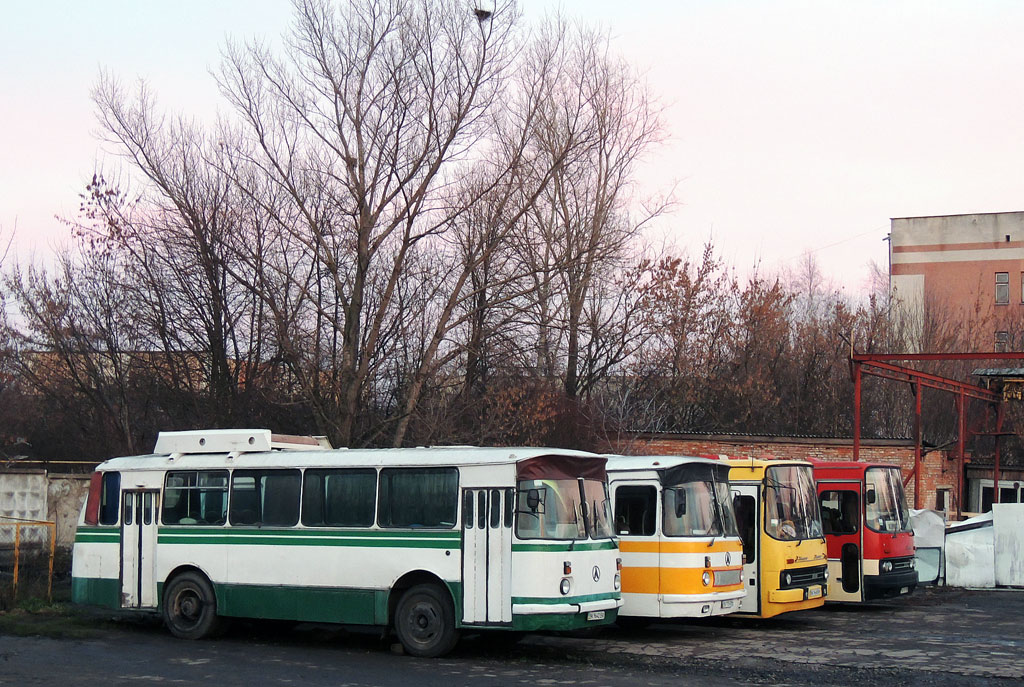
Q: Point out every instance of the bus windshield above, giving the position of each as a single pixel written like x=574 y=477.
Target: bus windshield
x=599 y=514
x=699 y=509
x=791 y=504
x=552 y=509
x=885 y=504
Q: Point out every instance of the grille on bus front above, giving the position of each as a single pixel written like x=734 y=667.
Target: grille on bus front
x=902 y=564
x=802 y=577
x=727 y=577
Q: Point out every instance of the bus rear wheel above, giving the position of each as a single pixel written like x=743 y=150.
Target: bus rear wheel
x=190 y=607
x=425 y=621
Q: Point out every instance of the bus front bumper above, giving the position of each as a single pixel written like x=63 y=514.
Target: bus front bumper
x=566 y=608
x=787 y=596
x=889 y=584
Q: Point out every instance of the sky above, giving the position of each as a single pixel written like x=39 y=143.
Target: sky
x=793 y=128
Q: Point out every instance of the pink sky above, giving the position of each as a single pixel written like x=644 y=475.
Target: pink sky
x=793 y=126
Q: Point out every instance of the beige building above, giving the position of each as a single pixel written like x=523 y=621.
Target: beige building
x=968 y=268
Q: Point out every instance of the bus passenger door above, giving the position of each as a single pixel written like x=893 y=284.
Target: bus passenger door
x=138 y=548
x=746 y=503
x=841 y=520
x=487 y=555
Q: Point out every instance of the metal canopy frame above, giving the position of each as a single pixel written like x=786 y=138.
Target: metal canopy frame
x=883 y=365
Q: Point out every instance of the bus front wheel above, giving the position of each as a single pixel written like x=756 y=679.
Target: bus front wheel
x=425 y=621
x=190 y=607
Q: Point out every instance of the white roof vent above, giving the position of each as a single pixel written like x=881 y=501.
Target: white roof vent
x=213 y=441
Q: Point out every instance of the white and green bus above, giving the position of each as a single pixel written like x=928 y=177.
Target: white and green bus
x=241 y=523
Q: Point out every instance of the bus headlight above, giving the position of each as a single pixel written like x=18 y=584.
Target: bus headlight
x=787 y=579
x=706 y=578
x=565 y=587
x=913 y=563
x=886 y=566
x=618 y=582
x=826 y=573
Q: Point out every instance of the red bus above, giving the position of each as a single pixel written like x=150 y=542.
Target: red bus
x=867 y=530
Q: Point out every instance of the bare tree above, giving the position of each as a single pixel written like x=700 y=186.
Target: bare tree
x=77 y=339
x=582 y=228
x=361 y=125
x=175 y=236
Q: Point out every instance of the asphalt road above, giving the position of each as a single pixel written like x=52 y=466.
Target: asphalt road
x=935 y=637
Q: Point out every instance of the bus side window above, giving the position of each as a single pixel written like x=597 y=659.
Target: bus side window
x=265 y=497
x=110 y=498
x=635 y=510
x=195 y=497
x=419 y=497
x=746 y=518
x=339 y=497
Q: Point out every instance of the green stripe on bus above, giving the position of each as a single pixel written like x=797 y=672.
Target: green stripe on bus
x=309 y=604
x=560 y=621
x=310 y=532
x=285 y=539
x=96 y=591
x=566 y=546
x=97 y=538
x=547 y=600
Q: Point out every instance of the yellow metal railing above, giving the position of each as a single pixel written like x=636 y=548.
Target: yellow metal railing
x=18 y=524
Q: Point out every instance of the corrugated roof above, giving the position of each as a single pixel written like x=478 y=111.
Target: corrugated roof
x=999 y=372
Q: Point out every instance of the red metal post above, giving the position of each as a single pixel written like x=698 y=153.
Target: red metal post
x=961 y=430
x=995 y=466
x=917 y=445
x=856 y=410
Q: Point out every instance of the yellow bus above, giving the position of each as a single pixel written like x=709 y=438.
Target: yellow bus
x=785 y=563
x=681 y=551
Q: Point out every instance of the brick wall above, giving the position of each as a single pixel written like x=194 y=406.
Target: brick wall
x=938 y=467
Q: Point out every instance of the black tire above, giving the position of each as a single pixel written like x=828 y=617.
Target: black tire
x=190 y=607
x=425 y=621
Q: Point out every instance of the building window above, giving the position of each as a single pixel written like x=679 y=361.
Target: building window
x=1002 y=342
x=1002 y=288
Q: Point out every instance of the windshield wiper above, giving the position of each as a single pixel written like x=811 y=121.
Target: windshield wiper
x=576 y=523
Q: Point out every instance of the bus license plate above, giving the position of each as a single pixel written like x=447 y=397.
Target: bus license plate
x=904 y=590
x=727 y=603
x=814 y=592
x=595 y=615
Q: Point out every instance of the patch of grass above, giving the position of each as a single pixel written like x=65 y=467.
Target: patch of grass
x=39 y=618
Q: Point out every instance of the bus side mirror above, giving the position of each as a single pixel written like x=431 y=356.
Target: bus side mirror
x=870 y=496
x=532 y=499
x=680 y=504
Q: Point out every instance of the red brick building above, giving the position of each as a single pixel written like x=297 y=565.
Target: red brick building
x=969 y=271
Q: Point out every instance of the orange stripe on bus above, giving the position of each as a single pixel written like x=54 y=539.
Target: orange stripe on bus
x=670 y=581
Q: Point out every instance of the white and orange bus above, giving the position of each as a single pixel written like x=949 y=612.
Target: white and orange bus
x=681 y=551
